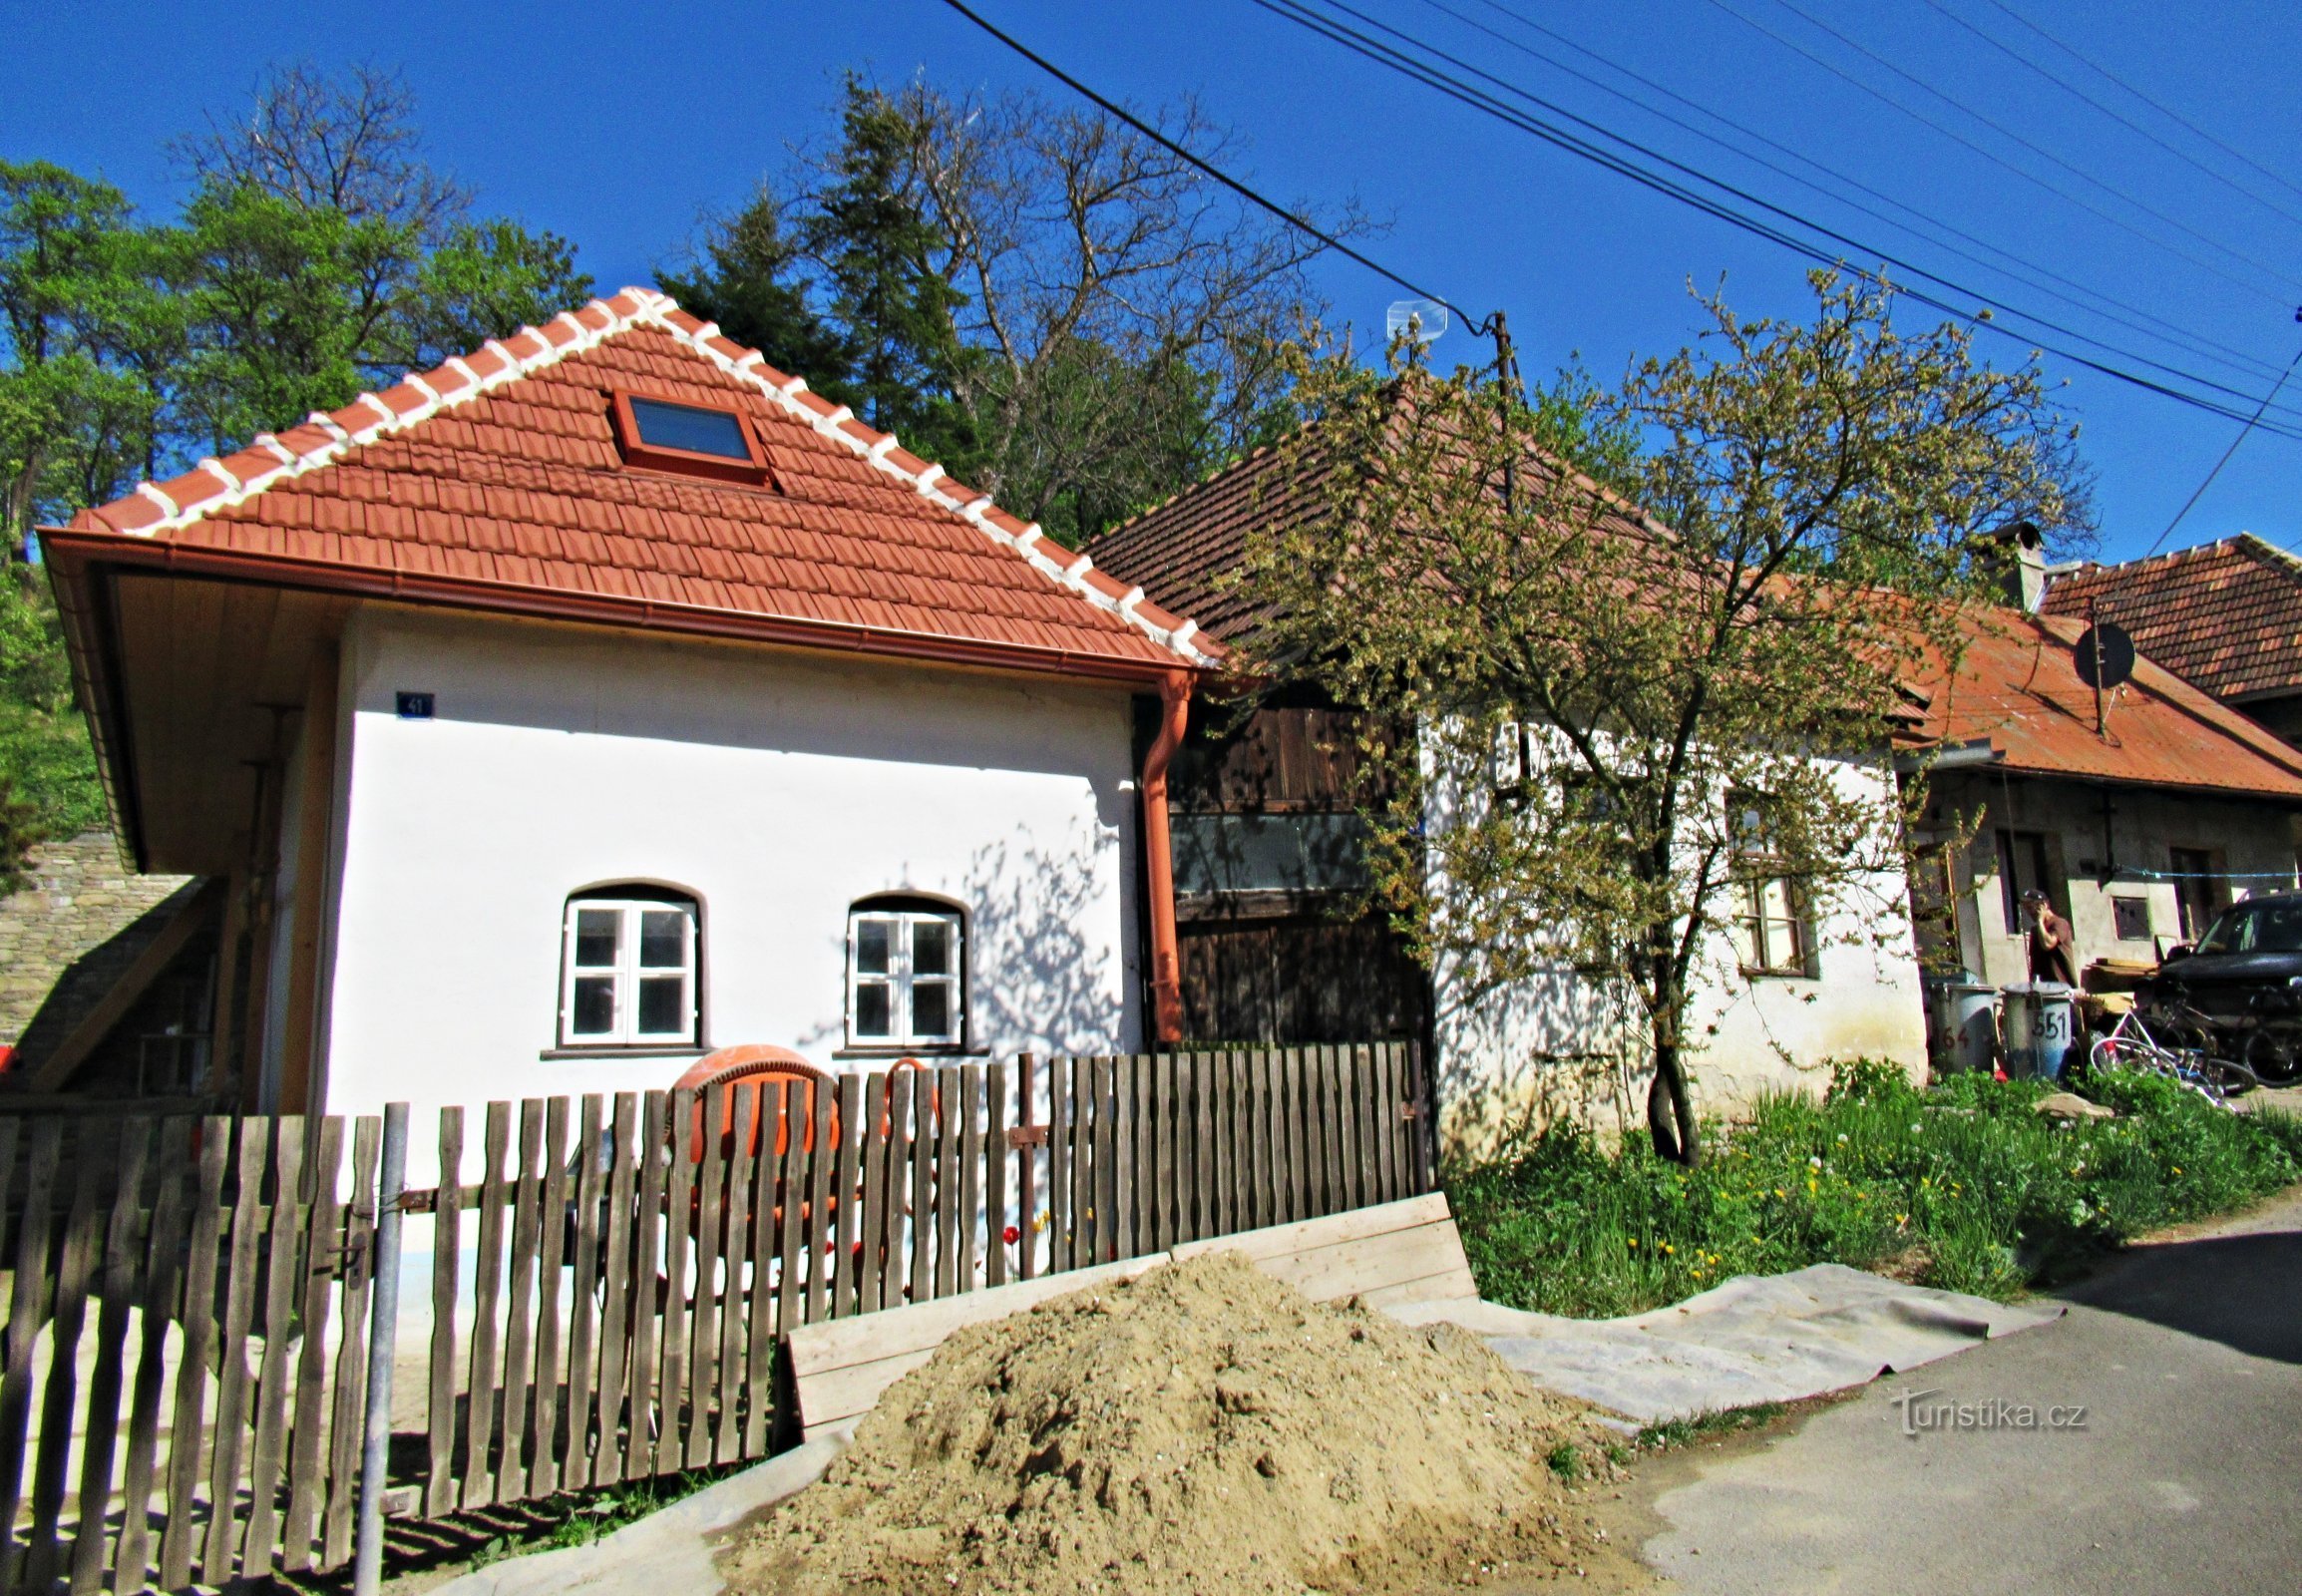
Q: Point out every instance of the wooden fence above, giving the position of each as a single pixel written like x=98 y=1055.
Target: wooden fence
x=609 y=1277
x=208 y=1422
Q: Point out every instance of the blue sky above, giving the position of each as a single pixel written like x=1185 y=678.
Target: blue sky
x=620 y=126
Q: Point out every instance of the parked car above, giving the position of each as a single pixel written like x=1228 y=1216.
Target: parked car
x=2238 y=991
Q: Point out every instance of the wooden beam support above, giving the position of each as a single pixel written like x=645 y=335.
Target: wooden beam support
x=315 y=833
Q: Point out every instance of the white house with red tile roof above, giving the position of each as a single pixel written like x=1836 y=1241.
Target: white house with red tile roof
x=605 y=697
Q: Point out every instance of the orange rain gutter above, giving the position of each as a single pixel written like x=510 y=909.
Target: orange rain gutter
x=1159 y=856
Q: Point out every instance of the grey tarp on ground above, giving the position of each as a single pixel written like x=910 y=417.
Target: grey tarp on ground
x=1755 y=1338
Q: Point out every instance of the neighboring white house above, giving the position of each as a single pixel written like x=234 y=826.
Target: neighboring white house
x=604 y=698
x=1776 y=1006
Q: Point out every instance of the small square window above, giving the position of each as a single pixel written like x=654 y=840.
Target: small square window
x=693 y=440
x=2132 y=916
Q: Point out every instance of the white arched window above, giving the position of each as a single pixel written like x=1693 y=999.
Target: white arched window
x=905 y=975
x=628 y=970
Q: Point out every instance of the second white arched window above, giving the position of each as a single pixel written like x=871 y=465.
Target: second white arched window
x=906 y=986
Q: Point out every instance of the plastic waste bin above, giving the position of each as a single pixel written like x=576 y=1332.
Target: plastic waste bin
x=1965 y=1024
x=2039 y=1023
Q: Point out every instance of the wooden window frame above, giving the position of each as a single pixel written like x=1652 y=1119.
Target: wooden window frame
x=1756 y=871
x=900 y=978
x=627 y=973
x=687 y=462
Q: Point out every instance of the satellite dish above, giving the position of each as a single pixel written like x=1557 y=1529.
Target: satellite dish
x=1420 y=319
x=2105 y=655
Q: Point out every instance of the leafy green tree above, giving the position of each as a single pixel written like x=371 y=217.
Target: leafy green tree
x=319 y=254
x=1630 y=733
x=84 y=329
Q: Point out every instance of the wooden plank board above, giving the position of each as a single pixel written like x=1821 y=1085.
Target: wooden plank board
x=76 y=1266
x=351 y=1381
x=635 y=1458
x=841 y=1367
x=954 y=1106
x=26 y=1308
x=593 y=1128
x=447 y=1262
x=919 y=1287
x=679 y=1231
x=1387 y=1187
x=780 y=1243
x=846 y=1264
x=282 y=1234
x=186 y=1437
x=871 y=1255
x=477 y=1486
x=822 y=1234
x=157 y=1291
x=523 y=1243
x=734 y=1258
x=1061 y=1155
x=997 y=1154
x=1107 y=1145
x=322 y=1264
x=616 y=1290
x=702 y=1225
x=543 y=1385
x=969 y=1152
x=123 y=1254
x=217 y=1560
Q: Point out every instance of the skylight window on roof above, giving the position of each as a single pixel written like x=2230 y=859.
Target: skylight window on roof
x=691 y=428
x=695 y=440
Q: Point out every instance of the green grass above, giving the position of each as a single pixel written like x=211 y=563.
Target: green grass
x=1960 y=1186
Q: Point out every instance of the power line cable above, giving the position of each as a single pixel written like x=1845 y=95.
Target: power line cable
x=1480 y=326
x=1563 y=140
x=2029 y=272
x=1990 y=154
x=1375 y=50
x=2192 y=500
x=2038 y=150
x=2117 y=115
x=2172 y=115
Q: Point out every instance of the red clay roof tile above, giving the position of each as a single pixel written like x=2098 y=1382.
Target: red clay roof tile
x=501 y=468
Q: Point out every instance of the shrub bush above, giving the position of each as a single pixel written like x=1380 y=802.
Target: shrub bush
x=1963 y=1185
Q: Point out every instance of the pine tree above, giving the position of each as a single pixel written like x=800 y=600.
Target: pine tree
x=882 y=261
x=753 y=282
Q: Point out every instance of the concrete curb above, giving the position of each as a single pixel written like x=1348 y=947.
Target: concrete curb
x=667 y=1553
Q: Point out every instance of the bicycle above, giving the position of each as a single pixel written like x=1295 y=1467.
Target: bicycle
x=2130 y=1046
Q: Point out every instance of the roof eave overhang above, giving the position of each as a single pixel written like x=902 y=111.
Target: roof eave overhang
x=76 y=551
x=89 y=638
x=2290 y=798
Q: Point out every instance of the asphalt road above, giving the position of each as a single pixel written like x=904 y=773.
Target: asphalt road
x=2187 y=1475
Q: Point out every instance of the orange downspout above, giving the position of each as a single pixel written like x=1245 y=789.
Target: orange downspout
x=1159 y=856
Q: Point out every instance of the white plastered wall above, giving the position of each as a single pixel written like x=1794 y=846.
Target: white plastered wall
x=777 y=787
x=1559 y=1047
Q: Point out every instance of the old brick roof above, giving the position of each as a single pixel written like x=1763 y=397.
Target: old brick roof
x=2227 y=616
x=1182 y=551
x=2017 y=691
x=495 y=481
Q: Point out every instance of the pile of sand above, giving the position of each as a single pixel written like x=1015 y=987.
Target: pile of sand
x=1201 y=1428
